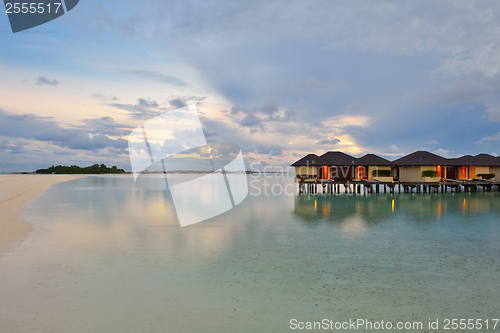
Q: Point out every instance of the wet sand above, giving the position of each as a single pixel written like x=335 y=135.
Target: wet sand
x=15 y=191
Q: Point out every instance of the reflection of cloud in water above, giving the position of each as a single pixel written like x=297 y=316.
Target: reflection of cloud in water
x=354 y=226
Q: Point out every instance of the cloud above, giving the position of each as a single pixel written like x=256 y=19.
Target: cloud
x=58 y=134
x=106 y=126
x=393 y=149
x=462 y=91
x=268 y=110
x=251 y=120
x=466 y=32
x=432 y=142
x=177 y=103
x=157 y=77
x=15 y=147
x=18 y=148
x=144 y=109
x=98 y=142
x=477 y=87
x=359 y=44
x=490 y=138
x=442 y=152
x=333 y=141
x=43 y=80
x=310 y=84
x=80 y=139
x=146 y=103
x=209 y=134
x=32 y=128
x=391 y=54
x=269 y=106
x=494 y=111
x=104 y=98
x=272 y=150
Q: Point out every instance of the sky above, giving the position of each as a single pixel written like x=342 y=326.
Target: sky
x=280 y=79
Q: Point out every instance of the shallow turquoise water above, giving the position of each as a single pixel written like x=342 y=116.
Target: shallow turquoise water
x=108 y=255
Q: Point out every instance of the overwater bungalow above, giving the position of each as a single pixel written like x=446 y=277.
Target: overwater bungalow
x=482 y=166
x=418 y=170
x=339 y=166
x=420 y=166
x=306 y=169
x=461 y=167
x=374 y=167
x=487 y=165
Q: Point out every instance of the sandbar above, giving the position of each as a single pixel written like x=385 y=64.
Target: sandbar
x=15 y=191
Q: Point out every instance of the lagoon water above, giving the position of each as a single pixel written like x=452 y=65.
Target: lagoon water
x=108 y=255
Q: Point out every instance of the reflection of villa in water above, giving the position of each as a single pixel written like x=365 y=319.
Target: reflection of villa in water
x=421 y=170
x=342 y=208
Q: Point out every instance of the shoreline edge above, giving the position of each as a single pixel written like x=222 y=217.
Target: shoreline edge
x=15 y=192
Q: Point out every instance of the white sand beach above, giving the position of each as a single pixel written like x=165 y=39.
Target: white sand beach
x=15 y=191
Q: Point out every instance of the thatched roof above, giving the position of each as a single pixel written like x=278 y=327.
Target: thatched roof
x=485 y=160
x=337 y=158
x=373 y=160
x=308 y=160
x=421 y=158
x=460 y=161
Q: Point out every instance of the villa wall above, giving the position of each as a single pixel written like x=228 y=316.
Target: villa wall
x=480 y=170
x=409 y=173
x=414 y=173
x=306 y=170
x=496 y=171
x=370 y=172
x=471 y=172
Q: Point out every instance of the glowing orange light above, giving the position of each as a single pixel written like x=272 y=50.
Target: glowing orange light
x=325 y=172
x=438 y=169
x=464 y=174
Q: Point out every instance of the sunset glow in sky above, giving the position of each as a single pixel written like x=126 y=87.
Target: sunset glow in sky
x=280 y=79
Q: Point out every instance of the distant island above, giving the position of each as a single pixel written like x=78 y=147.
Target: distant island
x=74 y=169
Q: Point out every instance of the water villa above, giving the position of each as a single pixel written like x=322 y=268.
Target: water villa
x=420 y=171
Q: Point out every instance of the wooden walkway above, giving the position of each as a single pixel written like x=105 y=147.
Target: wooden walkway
x=373 y=186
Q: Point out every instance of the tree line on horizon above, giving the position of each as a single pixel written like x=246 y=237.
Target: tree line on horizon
x=74 y=169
